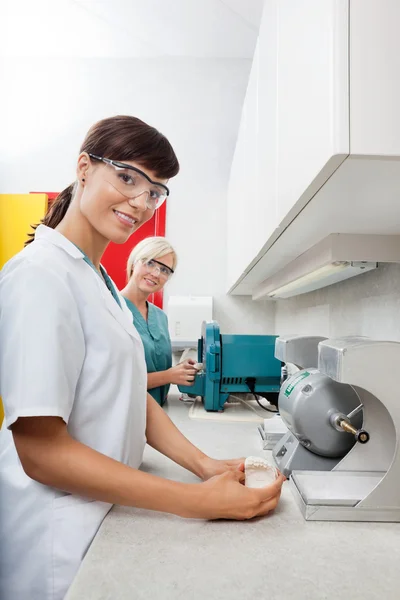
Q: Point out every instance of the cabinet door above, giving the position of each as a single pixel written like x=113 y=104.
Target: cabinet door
x=266 y=213
x=374 y=77
x=252 y=213
x=242 y=223
x=312 y=98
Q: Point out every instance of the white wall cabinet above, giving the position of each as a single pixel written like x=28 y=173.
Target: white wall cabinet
x=312 y=96
x=243 y=185
x=251 y=210
x=328 y=132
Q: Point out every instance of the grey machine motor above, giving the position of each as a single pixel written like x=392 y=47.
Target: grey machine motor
x=324 y=419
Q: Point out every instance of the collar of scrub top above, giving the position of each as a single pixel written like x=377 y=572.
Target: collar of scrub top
x=124 y=316
x=151 y=324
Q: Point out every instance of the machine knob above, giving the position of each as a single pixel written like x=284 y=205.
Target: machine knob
x=362 y=436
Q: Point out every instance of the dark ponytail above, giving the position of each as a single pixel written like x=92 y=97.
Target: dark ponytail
x=121 y=138
x=56 y=212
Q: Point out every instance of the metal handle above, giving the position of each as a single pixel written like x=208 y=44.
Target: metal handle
x=355 y=412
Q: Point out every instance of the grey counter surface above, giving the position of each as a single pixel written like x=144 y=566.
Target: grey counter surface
x=139 y=554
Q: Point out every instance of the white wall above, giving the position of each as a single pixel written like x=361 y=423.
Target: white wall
x=240 y=314
x=50 y=103
x=368 y=305
x=196 y=103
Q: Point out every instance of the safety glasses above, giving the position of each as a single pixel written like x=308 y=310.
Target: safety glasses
x=132 y=182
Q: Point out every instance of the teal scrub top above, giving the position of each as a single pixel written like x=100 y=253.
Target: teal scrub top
x=156 y=342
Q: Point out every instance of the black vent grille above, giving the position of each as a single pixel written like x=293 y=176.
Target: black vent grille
x=232 y=381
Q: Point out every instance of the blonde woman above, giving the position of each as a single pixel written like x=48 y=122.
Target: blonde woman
x=150 y=265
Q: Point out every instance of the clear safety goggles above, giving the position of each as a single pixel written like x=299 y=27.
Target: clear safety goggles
x=158 y=268
x=132 y=182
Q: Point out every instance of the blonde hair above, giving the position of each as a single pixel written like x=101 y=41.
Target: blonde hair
x=149 y=249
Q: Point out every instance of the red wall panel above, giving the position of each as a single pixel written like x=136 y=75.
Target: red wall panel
x=116 y=255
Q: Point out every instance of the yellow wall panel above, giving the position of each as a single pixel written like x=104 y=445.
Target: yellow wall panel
x=17 y=213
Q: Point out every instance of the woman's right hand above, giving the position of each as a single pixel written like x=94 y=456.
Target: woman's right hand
x=225 y=497
x=183 y=373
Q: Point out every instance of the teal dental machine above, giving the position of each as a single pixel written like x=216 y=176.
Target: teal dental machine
x=234 y=364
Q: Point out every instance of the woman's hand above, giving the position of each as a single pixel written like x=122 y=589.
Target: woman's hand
x=184 y=373
x=209 y=467
x=225 y=497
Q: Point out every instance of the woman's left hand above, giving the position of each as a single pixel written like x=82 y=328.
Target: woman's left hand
x=211 y=466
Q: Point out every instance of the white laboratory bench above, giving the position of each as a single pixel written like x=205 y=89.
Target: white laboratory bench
x=139 y=554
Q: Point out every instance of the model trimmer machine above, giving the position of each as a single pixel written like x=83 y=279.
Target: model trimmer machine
x=234 y=364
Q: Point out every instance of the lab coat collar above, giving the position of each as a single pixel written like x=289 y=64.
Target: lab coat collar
x=121 y=314
x=57 y=239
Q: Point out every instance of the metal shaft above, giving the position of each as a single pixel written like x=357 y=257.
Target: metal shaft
x=361 y=435
x=341 y=423
x=347 y=427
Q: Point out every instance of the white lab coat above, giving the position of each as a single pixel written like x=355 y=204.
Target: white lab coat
x=66 y=349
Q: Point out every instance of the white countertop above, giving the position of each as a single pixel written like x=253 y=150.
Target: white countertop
x=139 y=554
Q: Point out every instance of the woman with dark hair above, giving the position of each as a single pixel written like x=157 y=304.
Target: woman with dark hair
x=73 y=378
